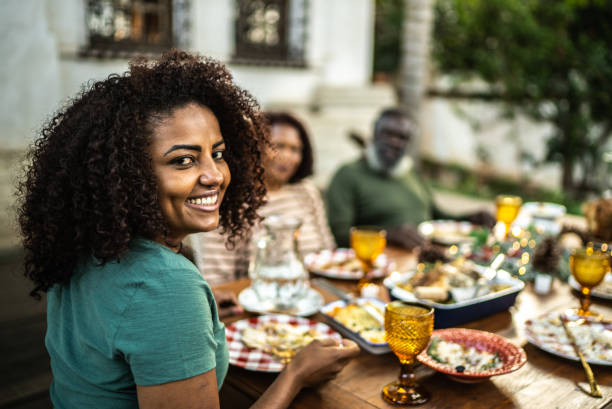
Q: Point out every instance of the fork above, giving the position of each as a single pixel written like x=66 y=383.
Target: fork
x=595 y=391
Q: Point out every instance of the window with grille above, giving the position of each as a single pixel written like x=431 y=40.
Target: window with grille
x=270 y=32
x=118 y=27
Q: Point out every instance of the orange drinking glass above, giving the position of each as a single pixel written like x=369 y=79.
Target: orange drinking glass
x=507 y=209
x=368 y=243
x=589 y=267
x=408 y=327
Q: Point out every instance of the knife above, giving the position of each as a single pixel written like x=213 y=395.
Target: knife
x=343 y=295
x=349 y=298
x=595 y=392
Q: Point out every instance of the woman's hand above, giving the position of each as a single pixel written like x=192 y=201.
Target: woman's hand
x=227 y=303
x=321 y=360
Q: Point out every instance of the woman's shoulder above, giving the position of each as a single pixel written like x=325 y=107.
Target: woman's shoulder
x=304 y=186
x=148 y=260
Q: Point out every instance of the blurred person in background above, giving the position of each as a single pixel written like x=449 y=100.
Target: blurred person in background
x=116 y=181
x=383 y=188
x=288 y=162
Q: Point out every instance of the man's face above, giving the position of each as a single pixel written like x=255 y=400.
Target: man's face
x=391 y=139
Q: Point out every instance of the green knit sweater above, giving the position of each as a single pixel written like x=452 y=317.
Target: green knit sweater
x=358 y=195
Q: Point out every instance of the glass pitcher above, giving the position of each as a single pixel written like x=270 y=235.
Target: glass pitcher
x=277 y=274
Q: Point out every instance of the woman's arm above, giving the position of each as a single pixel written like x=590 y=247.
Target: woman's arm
x=198 y=392
x=318 y=362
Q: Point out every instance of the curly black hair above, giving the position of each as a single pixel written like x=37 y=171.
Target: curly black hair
x=305 y=168
x=89 y=188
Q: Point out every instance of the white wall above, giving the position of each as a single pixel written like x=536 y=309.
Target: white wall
x=339 y=49
x=343 y=40
x=29 y=74
x=212 y=30
x=449 y=136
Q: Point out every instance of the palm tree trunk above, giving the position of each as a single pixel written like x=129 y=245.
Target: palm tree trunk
x=567 y=176
x=416 y=33
x=414 y=63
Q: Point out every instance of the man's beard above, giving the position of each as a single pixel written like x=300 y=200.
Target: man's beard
x=394 y=169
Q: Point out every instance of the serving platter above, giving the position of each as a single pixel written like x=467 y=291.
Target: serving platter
x=366 y=344
x=594 y=338
x=512 y=357
x=255 y=359
x=341 y=264
x=449 y=315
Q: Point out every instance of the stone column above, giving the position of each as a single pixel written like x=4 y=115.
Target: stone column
x=416 y=32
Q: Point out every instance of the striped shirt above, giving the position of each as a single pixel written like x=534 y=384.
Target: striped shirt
x=301 y=200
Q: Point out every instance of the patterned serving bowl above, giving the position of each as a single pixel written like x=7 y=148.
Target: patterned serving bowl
x=512 y=357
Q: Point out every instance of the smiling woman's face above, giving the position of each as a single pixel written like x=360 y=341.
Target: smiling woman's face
x=284 y=156
x=187 y=152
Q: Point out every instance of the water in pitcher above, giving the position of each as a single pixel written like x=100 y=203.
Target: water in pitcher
x=277 y=274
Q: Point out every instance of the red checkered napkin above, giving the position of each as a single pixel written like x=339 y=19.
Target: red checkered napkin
x=318 y=262
x=257 y=360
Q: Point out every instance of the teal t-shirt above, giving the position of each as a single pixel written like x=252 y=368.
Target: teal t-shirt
x=148 y=319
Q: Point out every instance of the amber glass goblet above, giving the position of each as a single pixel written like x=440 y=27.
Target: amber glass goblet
x=368 y=243
x=408 y=327
x=507 y=209
x=589 y=267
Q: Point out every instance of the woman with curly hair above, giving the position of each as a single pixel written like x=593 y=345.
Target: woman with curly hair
x=288 y=162
x=116 y=181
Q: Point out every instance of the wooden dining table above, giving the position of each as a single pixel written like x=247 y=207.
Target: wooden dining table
x=545 y=381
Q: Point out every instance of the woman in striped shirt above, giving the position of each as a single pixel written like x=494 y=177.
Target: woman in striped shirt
x=288 y=162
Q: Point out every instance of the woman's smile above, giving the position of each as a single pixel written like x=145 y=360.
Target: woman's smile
x=207 y=202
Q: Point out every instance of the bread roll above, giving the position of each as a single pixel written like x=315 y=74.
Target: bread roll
x=431 y=293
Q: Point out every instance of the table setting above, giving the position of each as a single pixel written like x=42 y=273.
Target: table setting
x=470 y=321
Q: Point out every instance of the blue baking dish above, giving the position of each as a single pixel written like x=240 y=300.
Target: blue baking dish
x=450 y=315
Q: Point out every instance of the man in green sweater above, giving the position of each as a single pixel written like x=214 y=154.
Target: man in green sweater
x=383 y=189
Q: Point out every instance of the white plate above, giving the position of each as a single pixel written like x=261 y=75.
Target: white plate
x=447 y=232
x=553 y=339
x=542 y=215
x=543 y=210
x=309 y=304
x=256 y=359
x=331 y=264
x=598 y=291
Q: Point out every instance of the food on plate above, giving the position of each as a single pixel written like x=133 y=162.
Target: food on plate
x=438 y=282
x=357 y=318
x=433 y=293
x=462 y=358
x=348 y=264
x=446 y=231
x=342 y=264
x=605 y=287
x=279 y=339
x=593 y=338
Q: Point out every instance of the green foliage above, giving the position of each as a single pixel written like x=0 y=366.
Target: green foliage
x=387 y=35
x=460 y=179
x=550 y=60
